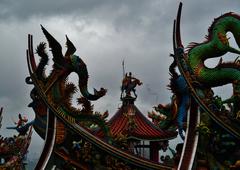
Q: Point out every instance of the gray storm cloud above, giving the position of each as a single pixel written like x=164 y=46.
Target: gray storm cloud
x=104 y=32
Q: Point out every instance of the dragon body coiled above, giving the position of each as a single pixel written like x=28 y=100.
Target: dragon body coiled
x=217 y=44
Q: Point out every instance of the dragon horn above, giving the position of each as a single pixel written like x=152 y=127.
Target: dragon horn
x=70 y=47
x=56 y=48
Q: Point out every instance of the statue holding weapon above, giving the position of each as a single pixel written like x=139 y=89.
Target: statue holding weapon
x=129 y=84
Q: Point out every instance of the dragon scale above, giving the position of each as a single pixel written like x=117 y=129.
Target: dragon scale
x=217 y=44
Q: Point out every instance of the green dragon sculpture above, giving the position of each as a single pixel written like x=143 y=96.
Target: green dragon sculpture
x=216 y=45
x=220 y=126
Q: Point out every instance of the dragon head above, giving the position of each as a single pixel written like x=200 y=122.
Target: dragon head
x=71 y=63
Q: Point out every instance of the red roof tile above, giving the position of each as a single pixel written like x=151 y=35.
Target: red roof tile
x=129 y=120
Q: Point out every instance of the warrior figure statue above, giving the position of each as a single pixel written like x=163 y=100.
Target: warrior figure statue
x=129 y=84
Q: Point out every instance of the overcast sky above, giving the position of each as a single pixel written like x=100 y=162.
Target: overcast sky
x=104 y=32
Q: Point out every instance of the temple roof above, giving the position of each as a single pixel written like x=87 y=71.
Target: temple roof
x=129 y=121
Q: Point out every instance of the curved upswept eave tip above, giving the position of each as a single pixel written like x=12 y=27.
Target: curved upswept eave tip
x=174 y=36
x=177 y=30
x=30 y=53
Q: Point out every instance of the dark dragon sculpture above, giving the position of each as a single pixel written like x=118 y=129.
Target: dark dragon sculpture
x=56 y=86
